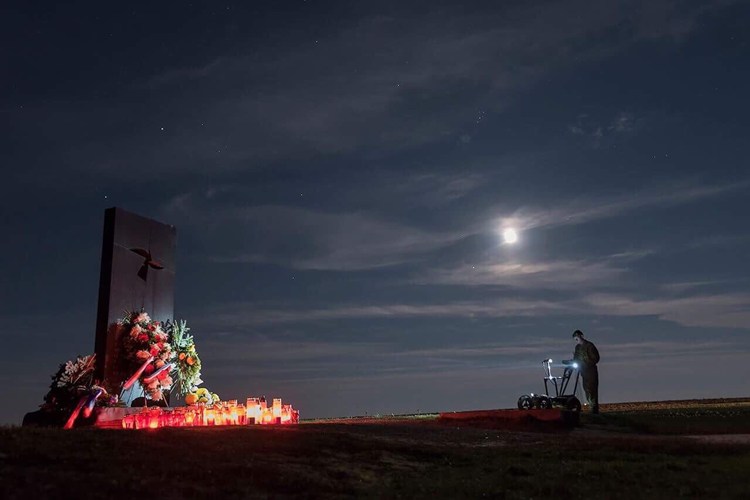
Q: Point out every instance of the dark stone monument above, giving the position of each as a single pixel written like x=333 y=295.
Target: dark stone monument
x=137 y=273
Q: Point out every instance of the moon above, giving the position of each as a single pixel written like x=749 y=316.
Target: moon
x=510 y=236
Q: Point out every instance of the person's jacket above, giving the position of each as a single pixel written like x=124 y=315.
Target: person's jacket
x=586 y=353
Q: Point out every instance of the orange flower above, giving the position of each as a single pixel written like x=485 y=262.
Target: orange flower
x=190 y=360
x=182 y=356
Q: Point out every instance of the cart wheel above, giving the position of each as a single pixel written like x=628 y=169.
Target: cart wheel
x=545 y=403
x=524 y=402
x=573 y=404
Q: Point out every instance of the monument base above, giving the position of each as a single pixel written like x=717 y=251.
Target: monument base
x=41 y=418
x=111 y=418
x=44 y=418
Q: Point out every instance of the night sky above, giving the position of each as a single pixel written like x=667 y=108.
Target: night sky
x=341 y=173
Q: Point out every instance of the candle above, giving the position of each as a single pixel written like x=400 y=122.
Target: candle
x=276 y=407
x=252 y=411
x=128 y=422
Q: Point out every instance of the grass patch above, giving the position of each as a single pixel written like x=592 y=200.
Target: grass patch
x=682 y=421
x=422 y=459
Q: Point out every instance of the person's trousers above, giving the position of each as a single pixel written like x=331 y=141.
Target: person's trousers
x=591 y=386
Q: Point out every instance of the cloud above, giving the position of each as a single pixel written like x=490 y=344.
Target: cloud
x=295 y=358
x=288 y=359
x=729 y=310
x=307 y=239
x=183 y=75
x=535 y=348
x=720 y=240
x=338 y=238
x=686 y=286
x=626 y=352
x=274 y=351
x=541 y=347
x=599 y=134
x=559 y=275
x=434 y=189
x=344 y=240
x=251 y=315
x=623 y=122
x=398 y=95
x=373 y=84
x=585 y=210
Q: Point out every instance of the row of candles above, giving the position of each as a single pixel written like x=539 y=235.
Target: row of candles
x=255 y=411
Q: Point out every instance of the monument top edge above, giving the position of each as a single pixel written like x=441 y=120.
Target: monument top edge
x=127 y=213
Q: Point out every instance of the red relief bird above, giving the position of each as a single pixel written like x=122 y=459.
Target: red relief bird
x=148 y=261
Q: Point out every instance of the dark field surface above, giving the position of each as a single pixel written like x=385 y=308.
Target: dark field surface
x=639 y=450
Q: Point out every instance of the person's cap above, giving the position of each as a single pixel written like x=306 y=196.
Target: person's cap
x=578 y=333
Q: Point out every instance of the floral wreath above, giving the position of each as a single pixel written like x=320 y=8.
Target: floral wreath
x=73 y=380
x=148 y=353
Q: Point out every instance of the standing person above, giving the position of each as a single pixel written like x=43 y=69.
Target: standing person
x=587 y=357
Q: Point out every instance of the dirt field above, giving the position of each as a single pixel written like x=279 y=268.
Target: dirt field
x=622 y=453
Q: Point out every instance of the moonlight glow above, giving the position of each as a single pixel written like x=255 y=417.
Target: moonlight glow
x=510 y=236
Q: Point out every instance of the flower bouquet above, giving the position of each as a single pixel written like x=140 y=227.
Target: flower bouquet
x=187 y=371
x=73 y=389
x=72 y=379
x=148 y=354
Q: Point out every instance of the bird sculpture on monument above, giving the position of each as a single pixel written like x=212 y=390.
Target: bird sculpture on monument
x=148 y=262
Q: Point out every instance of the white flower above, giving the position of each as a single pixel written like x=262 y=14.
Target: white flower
x=142 y=318
x=155 y=393
x=73 y=371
